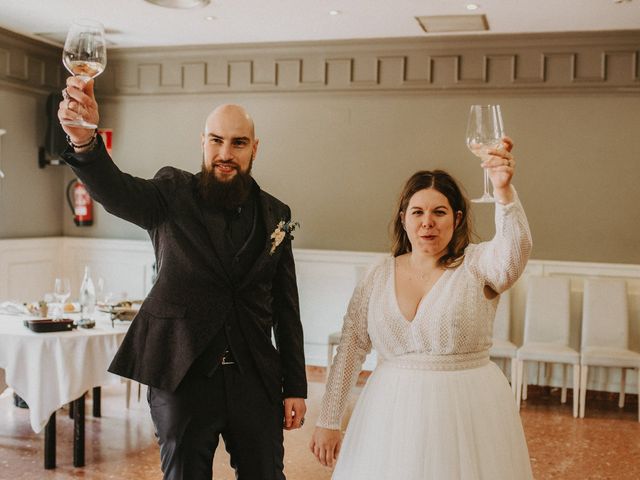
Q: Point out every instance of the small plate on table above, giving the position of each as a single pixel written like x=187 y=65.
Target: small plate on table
x=72 y=307
x=42 y=308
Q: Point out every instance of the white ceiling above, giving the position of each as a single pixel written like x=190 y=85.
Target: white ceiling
x=136 y=23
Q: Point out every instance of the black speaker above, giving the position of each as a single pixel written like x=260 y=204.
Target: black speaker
x=55 y=141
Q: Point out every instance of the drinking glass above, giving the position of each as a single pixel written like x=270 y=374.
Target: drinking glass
x=484 y=132
x=85 y=55
x=61 y=291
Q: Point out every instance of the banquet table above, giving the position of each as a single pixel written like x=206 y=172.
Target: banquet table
x=49 y=370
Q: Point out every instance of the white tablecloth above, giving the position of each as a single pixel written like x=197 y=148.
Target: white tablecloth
x=49 y=370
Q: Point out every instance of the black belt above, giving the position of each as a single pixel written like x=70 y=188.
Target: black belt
x=227 y=358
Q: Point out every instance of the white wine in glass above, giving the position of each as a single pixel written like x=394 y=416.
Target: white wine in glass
x=484 y=132
x=85 y=55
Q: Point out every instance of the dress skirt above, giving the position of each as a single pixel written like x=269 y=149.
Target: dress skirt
x=413 y=423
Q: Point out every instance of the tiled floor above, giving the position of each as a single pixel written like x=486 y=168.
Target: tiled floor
x=121 y=444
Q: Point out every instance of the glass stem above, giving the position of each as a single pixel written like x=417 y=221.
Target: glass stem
x=486 y=183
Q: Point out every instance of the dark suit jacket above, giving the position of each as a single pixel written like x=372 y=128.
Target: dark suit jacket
x=193 y=296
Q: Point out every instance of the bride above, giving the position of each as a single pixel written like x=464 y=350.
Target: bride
x=435 y=408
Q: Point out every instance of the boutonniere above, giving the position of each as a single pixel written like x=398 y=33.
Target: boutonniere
x=282 y=230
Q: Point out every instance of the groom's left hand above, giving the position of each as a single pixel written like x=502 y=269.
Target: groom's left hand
x=294 y=410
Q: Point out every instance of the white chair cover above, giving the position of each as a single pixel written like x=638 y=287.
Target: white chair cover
x=546 y=333
x=503 y=347
x=605 y=333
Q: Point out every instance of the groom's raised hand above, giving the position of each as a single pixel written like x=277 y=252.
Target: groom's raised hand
x=294 y=410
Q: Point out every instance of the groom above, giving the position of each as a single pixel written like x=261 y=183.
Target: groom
x=226 y=281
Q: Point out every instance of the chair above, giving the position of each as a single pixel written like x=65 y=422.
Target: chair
x=502 y=346
x=128 y=393
x=546 y=334
x=605 y=334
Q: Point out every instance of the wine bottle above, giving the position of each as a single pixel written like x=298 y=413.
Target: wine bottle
x=87 y=299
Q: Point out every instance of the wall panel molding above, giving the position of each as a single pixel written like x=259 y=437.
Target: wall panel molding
x=594 y=62
x=564 y=62
x=29 y=65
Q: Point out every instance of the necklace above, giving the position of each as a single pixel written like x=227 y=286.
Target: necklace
x=428 y=275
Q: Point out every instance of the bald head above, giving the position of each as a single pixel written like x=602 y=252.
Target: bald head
x=230 y=117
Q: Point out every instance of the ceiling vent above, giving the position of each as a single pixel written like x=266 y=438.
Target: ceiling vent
x=453 y=23
x=180 y=3
x=58 y=38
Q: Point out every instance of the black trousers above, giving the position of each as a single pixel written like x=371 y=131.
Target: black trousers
x=189 y=422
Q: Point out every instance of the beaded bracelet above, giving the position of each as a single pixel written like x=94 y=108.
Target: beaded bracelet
x=84 y=145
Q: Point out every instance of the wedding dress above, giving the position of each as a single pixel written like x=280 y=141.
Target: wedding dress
x=435 y=408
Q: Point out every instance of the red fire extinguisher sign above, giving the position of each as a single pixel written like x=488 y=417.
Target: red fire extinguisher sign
x=80 y=203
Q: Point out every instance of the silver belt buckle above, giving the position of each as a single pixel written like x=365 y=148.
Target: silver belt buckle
x=225 y=361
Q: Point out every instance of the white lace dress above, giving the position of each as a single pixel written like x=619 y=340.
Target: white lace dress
x=435 y=408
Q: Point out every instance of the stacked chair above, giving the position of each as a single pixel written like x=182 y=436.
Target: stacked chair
x=605 y=334
x=546 y=334
x=503 y=348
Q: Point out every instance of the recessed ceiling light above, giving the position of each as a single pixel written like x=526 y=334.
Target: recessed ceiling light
x=472 y=6
x=180 y=3
x=210 y=17
x=334 y=12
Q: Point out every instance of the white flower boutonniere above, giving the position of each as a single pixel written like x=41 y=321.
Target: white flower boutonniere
x=279 y=234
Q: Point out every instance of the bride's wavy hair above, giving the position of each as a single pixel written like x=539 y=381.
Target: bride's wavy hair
x=444 y=183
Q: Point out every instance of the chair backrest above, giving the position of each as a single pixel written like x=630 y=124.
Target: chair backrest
x=547 y=314
x=502 y=322
x=605 y=314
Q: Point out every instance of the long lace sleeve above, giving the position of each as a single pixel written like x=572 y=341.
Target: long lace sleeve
x=354 y=347
x=500 y=261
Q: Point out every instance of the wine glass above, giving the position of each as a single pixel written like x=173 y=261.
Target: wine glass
x=85 y=55
x=484 y=132
x=61 y=291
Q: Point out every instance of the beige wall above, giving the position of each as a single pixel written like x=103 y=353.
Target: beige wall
x=340 y=161
x=30 y=197
x=343 y=125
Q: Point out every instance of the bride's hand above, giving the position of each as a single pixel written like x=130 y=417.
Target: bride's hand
x=325 y=445
x=500 y=165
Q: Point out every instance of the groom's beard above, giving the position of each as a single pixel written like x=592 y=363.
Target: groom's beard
x=229 y=194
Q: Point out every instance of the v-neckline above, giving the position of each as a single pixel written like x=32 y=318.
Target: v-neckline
x=422 y=299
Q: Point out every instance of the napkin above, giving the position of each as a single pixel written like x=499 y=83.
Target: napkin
x=13 y=308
